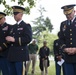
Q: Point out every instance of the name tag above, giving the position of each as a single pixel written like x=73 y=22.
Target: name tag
x=20 y=29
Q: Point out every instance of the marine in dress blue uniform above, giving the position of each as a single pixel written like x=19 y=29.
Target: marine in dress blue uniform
x=68 y=35
x=20 y=35
x=4 y=31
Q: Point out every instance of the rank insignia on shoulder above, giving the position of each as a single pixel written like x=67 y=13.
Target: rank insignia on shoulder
x=20 y=29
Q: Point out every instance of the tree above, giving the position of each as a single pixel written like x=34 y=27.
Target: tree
x=41 y=24
x=31 y=4
x=48 y=24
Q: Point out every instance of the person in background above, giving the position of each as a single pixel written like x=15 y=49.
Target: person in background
x=59 y=55
x=33 y=49
x=68 y=36
x=4 y=31
x=20 y=35
x=44 y=58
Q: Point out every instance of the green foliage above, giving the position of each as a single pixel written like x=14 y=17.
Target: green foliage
x=41 y=24
x=8 y=10
x=46 y=35
x=48 y=24
x=31 y=3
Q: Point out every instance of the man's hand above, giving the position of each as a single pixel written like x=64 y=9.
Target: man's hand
x=10 y=39
x=66 y=50
x=42 y=59
x=59 y=58
x=70 y=51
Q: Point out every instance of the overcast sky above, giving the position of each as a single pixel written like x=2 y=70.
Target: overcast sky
x=53 y=8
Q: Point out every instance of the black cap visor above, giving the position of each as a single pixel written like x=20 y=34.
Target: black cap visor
x=15 y=13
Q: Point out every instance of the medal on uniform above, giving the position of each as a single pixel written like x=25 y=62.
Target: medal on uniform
x=11 y=31
x=64 y=28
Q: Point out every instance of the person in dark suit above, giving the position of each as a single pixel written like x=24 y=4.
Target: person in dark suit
x=68 y=36
x=44 y=58
x=20 y=35
x=59 y=54
x=4 y=31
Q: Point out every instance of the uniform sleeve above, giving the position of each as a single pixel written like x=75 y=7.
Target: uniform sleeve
x=62 y=36
x=61 y=32
x=55 y=48
x=27 y=36
x=4 y=45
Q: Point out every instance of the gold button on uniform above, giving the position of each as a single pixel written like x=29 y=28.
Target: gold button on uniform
x=70 y=38
x=21 y=49
x=70 y=29
x=71 y=43
x=11 y=44
x=70 y=34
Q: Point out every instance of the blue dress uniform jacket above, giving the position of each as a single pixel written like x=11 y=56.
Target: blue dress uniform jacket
x=18 y=50
x=68 y=35
x=4 y=31
x=43 y=52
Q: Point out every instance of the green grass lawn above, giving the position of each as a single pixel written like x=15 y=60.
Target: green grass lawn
x=51 y=69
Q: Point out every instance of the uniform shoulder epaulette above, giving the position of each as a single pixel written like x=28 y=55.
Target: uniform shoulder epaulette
x=28 y=23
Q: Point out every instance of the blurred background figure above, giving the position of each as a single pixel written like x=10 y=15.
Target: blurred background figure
x=44 y=59
x=33 y=49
